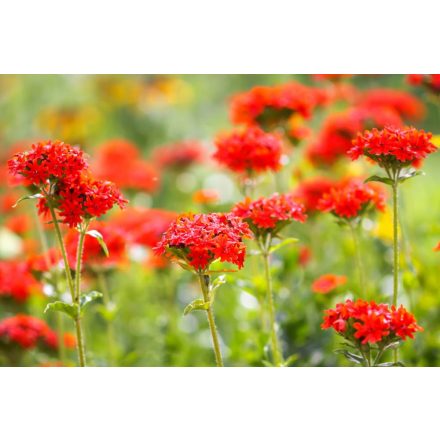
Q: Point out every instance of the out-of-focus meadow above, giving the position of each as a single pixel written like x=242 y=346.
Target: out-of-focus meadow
x=173 y=121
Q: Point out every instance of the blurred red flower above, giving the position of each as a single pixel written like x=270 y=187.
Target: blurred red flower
x=310 y=191
x=179 y=155
x=429 y=81
x=273 y=105
x=405 y=104
x=27 y=332
x=197 y=240
x=20 y=224
x=119 y=161
x=328 y=282
x=270 y=214
x=16 y=281
x=93 y=255
x=351 y=197
x=248 y=151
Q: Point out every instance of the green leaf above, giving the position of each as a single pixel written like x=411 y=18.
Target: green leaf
x=391 y=364
x=385 y=180
x=267 y=363
x=60 y=306
x=290 y=360
x=87 y=298
x=410 y=175
x=107 y=312
x=218 y=282
x=197 y=304
x=351 y=356
x=95 y=234
x=285 y=242
x=392 y=345
x=34 y=196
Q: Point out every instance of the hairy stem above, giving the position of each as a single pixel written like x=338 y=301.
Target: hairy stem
x=204 y=284
x=357 y=248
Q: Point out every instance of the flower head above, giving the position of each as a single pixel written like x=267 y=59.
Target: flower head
x=53 y=160
x=351 y=198
x=197 y=240
x=328 y=282
x=249 y=150
x=370 y=323
x=27 y=332
x=393 y=147
x=429 y=81
x=270 y=214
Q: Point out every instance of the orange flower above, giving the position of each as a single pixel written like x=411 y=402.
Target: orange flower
x=206 y=196
x=328 y=282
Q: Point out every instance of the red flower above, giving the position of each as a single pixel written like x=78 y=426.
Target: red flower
x=200 y=239
x=27 y=332
x=393 y=146
x=179 y=155
x=437 y=248
x=430 y=81
x=304 y=256
x=83 y=197
x=16 y=281
x=334 y=77
x=251 y=150
x=328 y=282
x=272 y=105
x=368 y=322
x=405 y=104
x=144 y=226
x=44 y=262
x=119 y=161
x=206 y=196
x=20 y=224
x=310 y=191
x=94 y=256
x=270 y=214
x=338 y=130
x=53 y=160
x=69 y=340
x=351 y=198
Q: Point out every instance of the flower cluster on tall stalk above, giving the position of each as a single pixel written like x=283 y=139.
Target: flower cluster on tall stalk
x=397 y=151
x=195 y=241
x=58 y=176
x=267 y=217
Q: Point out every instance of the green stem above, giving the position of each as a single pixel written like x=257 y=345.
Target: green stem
x=357 y=248
x=395 y=251
x=204 y=284
x=79 y=338
x=277 y=356
x=110 y=328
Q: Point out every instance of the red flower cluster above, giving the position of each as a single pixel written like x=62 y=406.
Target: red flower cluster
x=338 y=130
x=48 y=160
x=20 y=224
x=83 y=197
x=309 y=192
x=430 y=81
x=179 y=155
x=394 y=147
x=44 y=262
x=16 y=281
x=368 y=322
x=269 y=105
x=351 y=198
x=251 y=150
x=119 y=161
x=270 y=214
x=407 y=106
x=143 y=226
x=334 y=77
x=61 y=174
x=328 y=282
x=93 y=255
x=199 y=239
x=27 y=332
